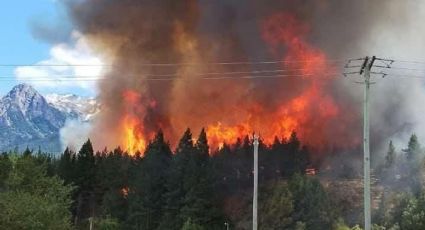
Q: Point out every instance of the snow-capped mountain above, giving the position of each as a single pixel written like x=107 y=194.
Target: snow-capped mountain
x=74 y=106
x=27 y=119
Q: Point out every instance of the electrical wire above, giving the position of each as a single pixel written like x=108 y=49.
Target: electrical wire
x=405 y=68
x=409 y=62
x=179 y=74
x=77 y=78
x=254 y=74
x=405 y=76
x=175 y=64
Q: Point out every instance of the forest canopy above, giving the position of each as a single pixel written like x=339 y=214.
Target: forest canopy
x=192 y=187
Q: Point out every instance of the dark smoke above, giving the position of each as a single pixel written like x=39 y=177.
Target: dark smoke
x=128 y=33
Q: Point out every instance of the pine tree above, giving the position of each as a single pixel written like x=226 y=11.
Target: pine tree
x=185 y=144
x=199 y=198
x=311 y=203
x=413 y=150
x=276 y=143
x=175 y=182
x=33 y=200
x=302 y=160
x=276 y=206
x=66 y=166
x=413 y=216
x=413 y=154
x=147 y=190
x=85 y=166
x=224 y=163
x=246 y=148
x=294 y=143
x=5 y=168
x=390 y=157
x=85 y=180
x=202 y=146
x=27 y=152
x=112 y=175
x=297 y=157
x=243 y=162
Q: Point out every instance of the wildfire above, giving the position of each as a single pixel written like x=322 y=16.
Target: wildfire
x=306 y=113
x=308 y=109
x=133 y=140
x=218 y=134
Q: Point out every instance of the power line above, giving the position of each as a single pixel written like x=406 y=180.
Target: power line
x=254 y=74
x=311 y=76
x=405 y=68
x=213 y=63
x=406 y=76
x=177 y=64
x=406 y=61
x=170 y=76
x=176 y=74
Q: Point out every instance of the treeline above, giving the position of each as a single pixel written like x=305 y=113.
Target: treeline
x=188 y=188
x=168 y=189
x=30 y=197
x=402 y=205
x=191 y=187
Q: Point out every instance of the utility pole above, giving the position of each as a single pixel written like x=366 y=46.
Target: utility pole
x=366 y=71
x=366 y=149
x=227 y=225
x=91 y=223
x=255 y=195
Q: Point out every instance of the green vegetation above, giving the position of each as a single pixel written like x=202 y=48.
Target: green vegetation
x=195 y=188
x=29 y=199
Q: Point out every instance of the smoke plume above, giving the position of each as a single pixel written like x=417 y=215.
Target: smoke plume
x=138 y=97
x=71 y=139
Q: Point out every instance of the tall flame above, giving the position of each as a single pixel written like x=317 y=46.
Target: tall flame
x=133 y=139
x=309 y=109
x=305 y=113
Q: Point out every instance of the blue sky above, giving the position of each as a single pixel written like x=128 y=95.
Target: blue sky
x=21 y=45
x=18 y=44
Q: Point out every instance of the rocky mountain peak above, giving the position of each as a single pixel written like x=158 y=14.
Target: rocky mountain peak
x=22 y=97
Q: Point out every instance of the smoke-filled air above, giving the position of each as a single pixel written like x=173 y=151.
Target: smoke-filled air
x=173 y=67
x=189 y=86
x=213 y=114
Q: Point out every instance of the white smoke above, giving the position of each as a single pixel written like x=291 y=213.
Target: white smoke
x=397 y=101
x=74 y=134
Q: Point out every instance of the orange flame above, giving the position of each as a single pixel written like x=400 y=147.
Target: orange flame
x=133 y=139
x=308 y=111
x=219 y=134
